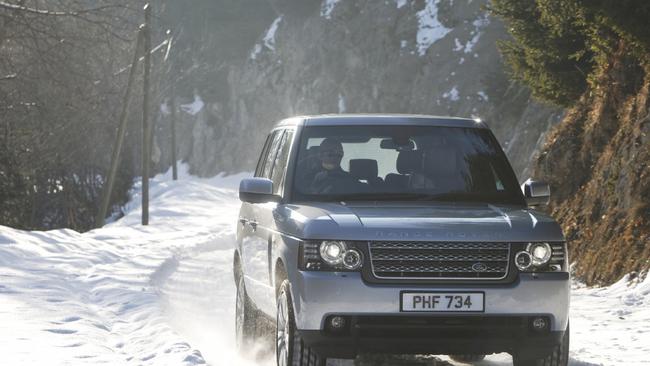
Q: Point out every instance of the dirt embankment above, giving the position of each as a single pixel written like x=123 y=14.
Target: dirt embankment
x=598 y=164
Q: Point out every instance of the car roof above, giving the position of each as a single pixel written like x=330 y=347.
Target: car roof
x=381 y=119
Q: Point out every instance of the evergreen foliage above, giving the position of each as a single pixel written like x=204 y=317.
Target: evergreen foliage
x=560 y=46
x=12 y=189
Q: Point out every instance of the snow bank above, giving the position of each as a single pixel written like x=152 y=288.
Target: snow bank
x=195 y=107
x=327 y=8
x=611 y=325
x=269 y=37
x=452 y=94
x=479 y=25
x=96 y=297
x=341 y=104
x=430 y=30
x=268 y=41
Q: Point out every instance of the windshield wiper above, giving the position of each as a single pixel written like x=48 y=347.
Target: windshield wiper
x=377 y=197
x=465 y=197
x=440 y=197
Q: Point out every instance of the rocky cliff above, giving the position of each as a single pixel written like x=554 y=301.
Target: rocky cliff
x=395 y=56
x=597 y=161
x=594 y=58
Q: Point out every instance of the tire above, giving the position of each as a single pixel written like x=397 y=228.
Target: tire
x=245 y=319
x=290 y=350
x=559 y=357
x=467 y=358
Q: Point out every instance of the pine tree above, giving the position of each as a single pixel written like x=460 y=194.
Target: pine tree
x=548 y=53
x=558 y=46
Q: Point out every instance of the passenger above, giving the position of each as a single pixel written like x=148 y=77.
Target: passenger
x=331 y=178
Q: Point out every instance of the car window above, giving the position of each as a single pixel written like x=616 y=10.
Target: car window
x=271 y=153
x=260 y=162
x=280 y=165
x=403 y=163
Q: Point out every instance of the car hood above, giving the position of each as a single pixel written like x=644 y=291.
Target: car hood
x=406 y=221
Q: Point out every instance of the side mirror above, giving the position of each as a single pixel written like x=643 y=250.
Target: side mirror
x=536 y=192
x=257 y=190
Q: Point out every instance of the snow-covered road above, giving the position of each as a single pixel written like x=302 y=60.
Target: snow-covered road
x=164 y=294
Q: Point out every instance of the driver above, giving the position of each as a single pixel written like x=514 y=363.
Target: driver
x=331 y=178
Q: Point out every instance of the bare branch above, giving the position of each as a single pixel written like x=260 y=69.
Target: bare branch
x=26 y=9
x=151 y=52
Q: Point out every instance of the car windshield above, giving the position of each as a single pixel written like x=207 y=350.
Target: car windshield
x=403 y=163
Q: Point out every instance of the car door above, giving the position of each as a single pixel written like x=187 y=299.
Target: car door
x=266 y=232
x=255 y=236
x=268 y=214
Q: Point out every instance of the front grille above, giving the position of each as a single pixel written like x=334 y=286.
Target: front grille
x=439 y=260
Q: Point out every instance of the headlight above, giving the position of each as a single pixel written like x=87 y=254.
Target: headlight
x=541 y=257
x=540 y=253
x=330 y=255
x=332 y=252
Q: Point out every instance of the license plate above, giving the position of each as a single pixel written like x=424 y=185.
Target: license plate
x=471 y=302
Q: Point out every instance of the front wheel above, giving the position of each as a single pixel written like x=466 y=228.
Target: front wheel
x=559 y=357
x=245 y=321
x=290 y=349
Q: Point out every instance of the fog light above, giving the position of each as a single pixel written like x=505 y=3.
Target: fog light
x=539 y=324
x=352 y=259
x=523 y=260
x=337 y=322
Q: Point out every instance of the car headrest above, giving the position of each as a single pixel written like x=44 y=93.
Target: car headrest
x=313 y=150
x=409 y=161
x=363 y=169
x=310 y=159
x=440 y=161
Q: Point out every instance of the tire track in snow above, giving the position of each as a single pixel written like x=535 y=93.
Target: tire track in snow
x=198 y=300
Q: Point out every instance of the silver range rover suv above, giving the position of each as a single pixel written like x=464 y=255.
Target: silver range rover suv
x=397 y=234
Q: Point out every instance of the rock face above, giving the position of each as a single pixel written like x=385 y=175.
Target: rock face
x=597 y=158
x=393 y=56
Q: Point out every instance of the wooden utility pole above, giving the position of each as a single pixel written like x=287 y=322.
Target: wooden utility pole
x=172 y=116
x=119 y=140
x=146 y=141
x=173 y=122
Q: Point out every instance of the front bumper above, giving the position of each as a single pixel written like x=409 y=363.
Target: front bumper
x=377 y=325
x=433 y=335
x=317 y=295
